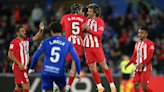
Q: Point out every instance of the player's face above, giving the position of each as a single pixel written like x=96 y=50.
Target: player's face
x=142 y=34
x=90 y=13
x=22 y=32
x=81 y=12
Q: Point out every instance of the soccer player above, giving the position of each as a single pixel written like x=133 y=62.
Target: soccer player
x=19 y=54
x=93 y=46
x=72 y=25
x=55 y=49
x=143 y=52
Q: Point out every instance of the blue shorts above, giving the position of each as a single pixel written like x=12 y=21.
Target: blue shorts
x=47 y=81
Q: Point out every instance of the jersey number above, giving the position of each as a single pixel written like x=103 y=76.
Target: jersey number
x=53 y=53
x=75 y=25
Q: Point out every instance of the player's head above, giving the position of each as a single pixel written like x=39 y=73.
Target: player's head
x=142 y=33
x=20 y=31
x=77 y=8
x=55 y=27
x=93 y=10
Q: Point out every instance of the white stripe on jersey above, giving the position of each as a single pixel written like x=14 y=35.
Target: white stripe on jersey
x=26 y=61
x=92 y=42
x=96 y=41
x=145 y=51
x=87 y=41
x=137 y=61
x=141 y=52
x=21 y=53
x=78 y=41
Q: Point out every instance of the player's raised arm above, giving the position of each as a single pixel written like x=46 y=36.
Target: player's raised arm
x=39 y=34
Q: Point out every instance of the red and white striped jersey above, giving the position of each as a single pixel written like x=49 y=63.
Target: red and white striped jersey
x=21 y=49
x=141 y=52
x=72 y=25
x=92 y=38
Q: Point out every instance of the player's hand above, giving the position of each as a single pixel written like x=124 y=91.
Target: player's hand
x=139 y=66
x=85 y=27
x=126 y=67
x=41 y=26
x=31 y=72
x=79 y=77
x=21 y=67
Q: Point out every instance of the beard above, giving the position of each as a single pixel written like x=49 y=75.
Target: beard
x=23 y=36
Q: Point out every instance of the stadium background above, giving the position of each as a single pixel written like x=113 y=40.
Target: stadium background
x=122 y=19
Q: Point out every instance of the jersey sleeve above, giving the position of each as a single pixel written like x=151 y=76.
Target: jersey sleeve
x=151 y=46
x=100 y=29
x=62 y=22
x=13 y=45
x=30 y=40
x=74 y=54
x=39 y=51
x=134 y=56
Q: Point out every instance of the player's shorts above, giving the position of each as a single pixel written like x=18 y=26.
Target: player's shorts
x=20 y=76
x=125 y=76
x=78 y=49
x=94 y=54
x=142 y=77
x=47 y=81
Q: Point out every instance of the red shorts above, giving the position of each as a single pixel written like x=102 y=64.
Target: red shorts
x=20 y=76
x=142 y=77
x=79 y=50
x=94 y=55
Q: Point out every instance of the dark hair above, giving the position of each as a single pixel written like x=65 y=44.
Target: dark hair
x=55 y=27
x=96 y=9
x=144 y=29
x=17 y=28
x=75 y=7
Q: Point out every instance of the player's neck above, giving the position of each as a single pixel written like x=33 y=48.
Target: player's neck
x=94 y=17
x=58 y=34
x=144 y=39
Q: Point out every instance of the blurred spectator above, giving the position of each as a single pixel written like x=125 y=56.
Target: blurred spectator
x=106 y=10
x=36 y=15
x=142 y=8
x=16 y=13
x=24 y=13
x=6 y=11
x=154 y=11
x=129 y=8
x=60 y=12
x=49 y=13
x=125 y=73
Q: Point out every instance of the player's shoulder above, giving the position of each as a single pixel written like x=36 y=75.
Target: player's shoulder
x=15 y=40
x=100 y=19
x=150 y=42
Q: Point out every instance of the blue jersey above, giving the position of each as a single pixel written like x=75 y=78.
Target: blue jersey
x=55 y=48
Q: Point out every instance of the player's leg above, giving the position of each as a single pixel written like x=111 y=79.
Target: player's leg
x=61 y=82
x=18 y=88
x=26 y=87
x=72 y=76
x=136 y=79
x=145 y=76
x=47 y=83
x=100 y=57
x=79 y=49
x=137 y=86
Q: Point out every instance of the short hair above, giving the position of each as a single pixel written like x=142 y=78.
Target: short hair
x=75 y=7
x=96 y=9
x=144 y=29
x=17 y=28
x=55 y=27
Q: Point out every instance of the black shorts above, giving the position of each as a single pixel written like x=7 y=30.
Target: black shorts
x=126 y=76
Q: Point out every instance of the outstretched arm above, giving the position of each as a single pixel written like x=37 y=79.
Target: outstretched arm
x=39 y=34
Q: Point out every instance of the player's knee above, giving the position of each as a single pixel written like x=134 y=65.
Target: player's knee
x=26 y=86
x=144 y=88
x=136 y=86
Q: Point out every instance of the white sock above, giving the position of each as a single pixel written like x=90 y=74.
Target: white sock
x=112 y=84
x=99 y=85
x=68 y=87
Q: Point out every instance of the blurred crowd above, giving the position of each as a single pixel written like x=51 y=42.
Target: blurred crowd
x=118 y=39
